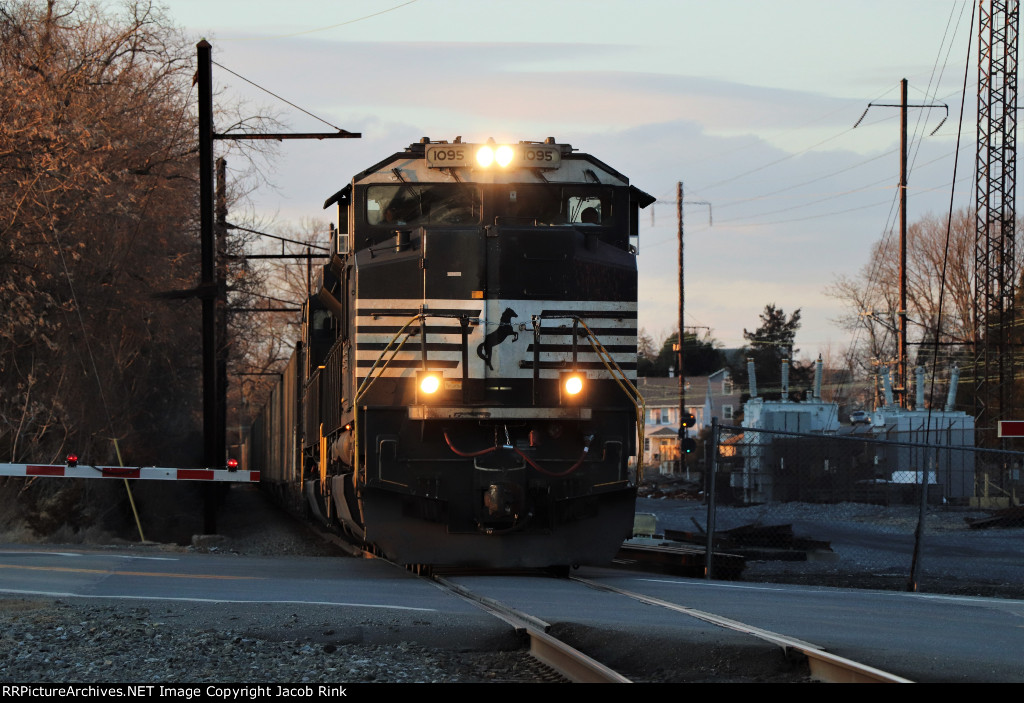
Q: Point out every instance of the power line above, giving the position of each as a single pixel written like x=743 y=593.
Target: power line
x=274 y=236
x=324 y=29
x=269 y=92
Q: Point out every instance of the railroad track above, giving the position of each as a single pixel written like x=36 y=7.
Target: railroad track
x=578 y=667
x=569 y=662
x=825 y=667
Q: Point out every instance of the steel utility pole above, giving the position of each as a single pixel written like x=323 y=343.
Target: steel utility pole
x=995 y=281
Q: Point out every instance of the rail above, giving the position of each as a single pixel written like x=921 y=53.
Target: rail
x=567 y=661
x=825 y=667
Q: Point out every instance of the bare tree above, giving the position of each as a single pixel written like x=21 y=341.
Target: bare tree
x=97 y=201
x=933 y=270
x=265 y=340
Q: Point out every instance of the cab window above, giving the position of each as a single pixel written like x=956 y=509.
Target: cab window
x=554 y=205
x=413 y=204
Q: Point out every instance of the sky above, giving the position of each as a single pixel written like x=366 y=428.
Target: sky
x=751 y=105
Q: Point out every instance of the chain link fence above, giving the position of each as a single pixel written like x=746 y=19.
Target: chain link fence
x=845 y=510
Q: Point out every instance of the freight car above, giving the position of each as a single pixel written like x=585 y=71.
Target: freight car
x=463 y=391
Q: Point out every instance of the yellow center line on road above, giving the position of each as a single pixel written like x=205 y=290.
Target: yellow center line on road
x=132 y=573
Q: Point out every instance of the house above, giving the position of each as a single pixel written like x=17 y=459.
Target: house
x=706 y=397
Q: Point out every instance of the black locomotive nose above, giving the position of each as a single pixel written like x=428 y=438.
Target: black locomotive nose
x=497 y=466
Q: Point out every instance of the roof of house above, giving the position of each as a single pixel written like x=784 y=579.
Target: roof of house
x=663 y=431
x=660 y=390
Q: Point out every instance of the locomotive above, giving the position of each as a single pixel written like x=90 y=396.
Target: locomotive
x=463 y=393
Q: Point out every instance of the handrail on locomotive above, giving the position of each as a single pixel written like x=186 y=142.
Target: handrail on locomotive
x=628 y=387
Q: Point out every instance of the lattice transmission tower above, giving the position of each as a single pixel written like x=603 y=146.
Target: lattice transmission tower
x=995 y=282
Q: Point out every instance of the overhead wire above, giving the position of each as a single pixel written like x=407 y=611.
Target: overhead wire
x=759 y=140
x=889 y=228
x=938 y=68
x=824 y=196
x=780 y=160
x=284 y=100
x=327 y=27
x=873 y=280
x=938 y=80
x=817 y=179
x=733 y=221
x=934 y=79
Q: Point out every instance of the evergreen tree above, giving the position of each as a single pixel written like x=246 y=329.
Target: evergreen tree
x=700 y=357
x=768 y=345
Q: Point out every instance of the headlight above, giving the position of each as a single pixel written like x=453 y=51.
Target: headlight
x=503 y=155
x=485 y=156
x=490 y=154
x=430 y=383
x=573 y=384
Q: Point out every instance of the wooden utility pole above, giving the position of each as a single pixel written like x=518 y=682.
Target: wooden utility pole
x=221 y=307
x=901 y=324
x=901 y=383
x=212 y=289
x=680 y=356
x=214 y=444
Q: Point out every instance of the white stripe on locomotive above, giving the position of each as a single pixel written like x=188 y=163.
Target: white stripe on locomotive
x=389 y=315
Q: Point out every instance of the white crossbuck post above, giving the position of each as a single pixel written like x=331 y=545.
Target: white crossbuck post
x=146 y=473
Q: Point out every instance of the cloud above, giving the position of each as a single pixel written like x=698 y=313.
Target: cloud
x=797 y=195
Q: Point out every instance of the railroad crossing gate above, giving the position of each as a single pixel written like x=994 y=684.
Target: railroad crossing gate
x=150 y=473
x=1011 y=428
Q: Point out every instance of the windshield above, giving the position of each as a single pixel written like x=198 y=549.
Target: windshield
x=554 y=204
x=422 y=204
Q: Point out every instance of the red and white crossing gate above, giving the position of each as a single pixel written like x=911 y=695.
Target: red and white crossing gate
x=1010 y=428
x=146 y=473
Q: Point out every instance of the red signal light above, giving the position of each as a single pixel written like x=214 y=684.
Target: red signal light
x=72 y=460
x=232 y=464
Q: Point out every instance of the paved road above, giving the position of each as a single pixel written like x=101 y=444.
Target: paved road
x=371 y=600
x=928 y=638
x=921 y=637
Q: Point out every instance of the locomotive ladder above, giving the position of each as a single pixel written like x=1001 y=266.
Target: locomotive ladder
x=627 y=387
x=364 y=387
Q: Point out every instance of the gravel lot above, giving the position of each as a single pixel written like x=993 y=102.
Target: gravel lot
x=872 y=545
